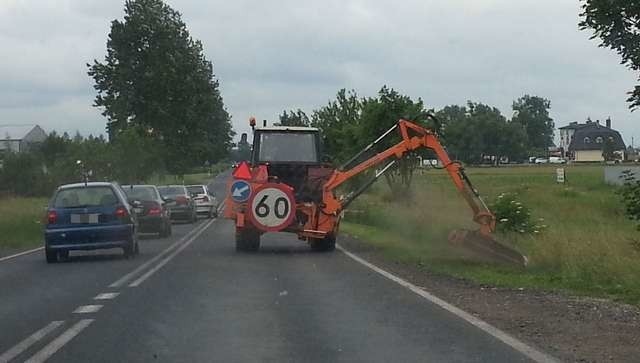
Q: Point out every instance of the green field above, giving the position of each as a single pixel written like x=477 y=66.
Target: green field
x=21 y=222
x=588 y=246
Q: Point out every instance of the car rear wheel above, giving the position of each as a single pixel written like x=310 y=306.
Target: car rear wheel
x=52 y=256
x=247 y=240
x=166 y=230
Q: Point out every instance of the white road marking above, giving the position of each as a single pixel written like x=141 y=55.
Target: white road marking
x=21 y=254
x=29 y=341
x=87 y=309
x=106 y=296
x=170 y=256
x=64 y=338
x=514 y=343
x=124 y=279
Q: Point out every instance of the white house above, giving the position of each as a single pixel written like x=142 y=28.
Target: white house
x=18 y=138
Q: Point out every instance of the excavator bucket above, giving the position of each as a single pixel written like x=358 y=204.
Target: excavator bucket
x=485 y=247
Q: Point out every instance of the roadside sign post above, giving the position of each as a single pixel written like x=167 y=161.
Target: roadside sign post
x=560 y=176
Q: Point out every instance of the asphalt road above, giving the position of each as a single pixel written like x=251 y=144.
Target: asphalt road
x=192 y=298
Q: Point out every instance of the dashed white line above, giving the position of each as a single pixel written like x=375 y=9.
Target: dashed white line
x=21 y=254
x=123 y=280
x=87 y=309
x=171 y=256
x=59 y=342
x=29 y=341
x=514 y=343
x=106 y=296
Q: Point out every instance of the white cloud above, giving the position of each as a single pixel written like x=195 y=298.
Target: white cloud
x=274 y=55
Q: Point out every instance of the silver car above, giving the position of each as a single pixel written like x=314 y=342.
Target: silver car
x=206 y=202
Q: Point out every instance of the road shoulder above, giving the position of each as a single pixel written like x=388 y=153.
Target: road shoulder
x=570 y=328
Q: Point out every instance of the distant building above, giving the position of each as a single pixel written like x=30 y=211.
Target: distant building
x=18 y=138
x=584 y=142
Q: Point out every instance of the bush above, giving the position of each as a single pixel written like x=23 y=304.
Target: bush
x=513 y=216
x=630 y=193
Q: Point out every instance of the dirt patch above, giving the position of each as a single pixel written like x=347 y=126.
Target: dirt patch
x=574 y=329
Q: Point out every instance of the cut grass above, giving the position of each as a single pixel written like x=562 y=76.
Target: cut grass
x=21 y=223
x=587 y=247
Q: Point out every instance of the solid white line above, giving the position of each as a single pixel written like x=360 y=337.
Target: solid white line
x=29 y=341
x=514 y=343
x=21 y=254
x=87 y=309
x=170 y=256
x=124 y=279
x=59 y=342
x=106 y=296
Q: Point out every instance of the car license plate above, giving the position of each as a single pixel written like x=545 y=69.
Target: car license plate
x=85 y=218
x=137 y=210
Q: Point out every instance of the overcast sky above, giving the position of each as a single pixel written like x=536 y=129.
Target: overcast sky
x=275 y=55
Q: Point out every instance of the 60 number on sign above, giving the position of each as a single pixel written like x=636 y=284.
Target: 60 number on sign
x=272 y=207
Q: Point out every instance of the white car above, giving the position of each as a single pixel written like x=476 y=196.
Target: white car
x=557 y=160
x=541 y=161
x=206 y=202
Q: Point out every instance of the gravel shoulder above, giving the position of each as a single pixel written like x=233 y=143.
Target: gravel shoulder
x=574 y=329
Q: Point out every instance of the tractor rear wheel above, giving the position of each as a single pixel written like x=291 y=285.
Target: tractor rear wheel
x=247 y=240
x=326 y=244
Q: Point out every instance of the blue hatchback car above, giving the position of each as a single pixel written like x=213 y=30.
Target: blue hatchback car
x=89 y=216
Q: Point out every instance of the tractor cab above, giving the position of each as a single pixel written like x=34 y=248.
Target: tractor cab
x=292 y=156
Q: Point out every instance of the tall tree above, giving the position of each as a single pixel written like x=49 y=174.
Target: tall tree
x=294 y=118
x=617 y=24
x=338 y=122
x=532 y=112
x=156 y=79
x=476 y=131
x=379 y=114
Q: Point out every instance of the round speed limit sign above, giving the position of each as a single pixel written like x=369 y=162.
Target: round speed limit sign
x=272 y=207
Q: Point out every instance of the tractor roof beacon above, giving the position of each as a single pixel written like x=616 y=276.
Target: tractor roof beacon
x=291 y=189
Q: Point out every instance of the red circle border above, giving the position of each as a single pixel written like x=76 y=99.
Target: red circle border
x=286 y=190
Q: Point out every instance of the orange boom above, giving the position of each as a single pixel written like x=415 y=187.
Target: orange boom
x=286 y=187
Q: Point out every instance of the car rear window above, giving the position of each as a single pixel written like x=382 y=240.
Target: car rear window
x=172 y=191
x=85 y=197
x=198 y=189
x=140 y=193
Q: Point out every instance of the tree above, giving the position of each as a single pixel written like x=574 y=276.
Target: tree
x=339 y=125
x=477 y=132
x=532 y=112
x=608 y=150
x=156 y=79
x=379 y=114
x=617 y=24
x=294 y=118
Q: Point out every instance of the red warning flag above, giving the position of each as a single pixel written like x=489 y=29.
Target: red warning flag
x=242 y=171
x=261 y=174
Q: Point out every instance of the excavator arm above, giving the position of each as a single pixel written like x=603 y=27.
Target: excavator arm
x=415 y=137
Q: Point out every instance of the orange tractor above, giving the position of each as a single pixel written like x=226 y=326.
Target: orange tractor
x=287 y=188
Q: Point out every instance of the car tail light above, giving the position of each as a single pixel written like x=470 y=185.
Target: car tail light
x=154 y=211
x=181 y=200
x=121 y=212
x=52 y=217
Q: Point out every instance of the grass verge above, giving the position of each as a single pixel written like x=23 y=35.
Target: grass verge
x=21 y=223
x=587 y=247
